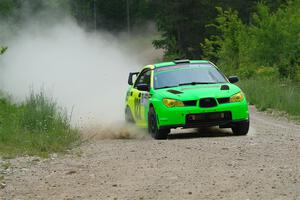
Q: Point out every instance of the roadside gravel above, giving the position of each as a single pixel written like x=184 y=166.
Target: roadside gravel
x=205 y=164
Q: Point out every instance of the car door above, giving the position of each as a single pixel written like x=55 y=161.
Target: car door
x=141 y=98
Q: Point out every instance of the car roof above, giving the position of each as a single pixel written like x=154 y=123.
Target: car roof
x=176 y=62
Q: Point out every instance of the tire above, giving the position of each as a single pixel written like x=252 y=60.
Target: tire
x=156 y=133
x=128 y=116
x=241 y=128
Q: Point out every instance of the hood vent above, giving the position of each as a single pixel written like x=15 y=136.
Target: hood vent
x=225 y=87
x=175 y=92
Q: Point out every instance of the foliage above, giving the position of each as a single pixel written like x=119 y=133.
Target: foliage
x=183 y=23
x=35 y=127
x=111 y=15
x=19 y=10
x=275 y=94
x=182 y=26
x=14 y=14
x=271 y=40
x=225 y=47
x=2 y=50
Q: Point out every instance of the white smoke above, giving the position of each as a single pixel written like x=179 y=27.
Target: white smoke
x=84 y=72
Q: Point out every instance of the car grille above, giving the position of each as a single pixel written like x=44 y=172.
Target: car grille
x=223 y=100
x=190 y=103
x=206 y=118
x=208 y=102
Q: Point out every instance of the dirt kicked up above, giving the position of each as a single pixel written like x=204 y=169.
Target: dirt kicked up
x=196 y=165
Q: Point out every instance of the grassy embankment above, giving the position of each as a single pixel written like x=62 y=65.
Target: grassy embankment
x=35 y=127
x=278 y=95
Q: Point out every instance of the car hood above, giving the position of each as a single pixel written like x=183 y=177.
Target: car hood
x=194 y=92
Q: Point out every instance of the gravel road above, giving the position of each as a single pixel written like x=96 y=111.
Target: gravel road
x=205 y=164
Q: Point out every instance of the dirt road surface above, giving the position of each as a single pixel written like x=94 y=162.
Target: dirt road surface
x=197 y=165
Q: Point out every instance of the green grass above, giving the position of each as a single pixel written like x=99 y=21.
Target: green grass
x=274 y=94
x=35 y=127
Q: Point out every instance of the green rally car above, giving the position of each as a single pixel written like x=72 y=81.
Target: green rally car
x=185 y=94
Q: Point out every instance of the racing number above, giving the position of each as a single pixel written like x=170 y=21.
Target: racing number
x=140 y=103
x=137 y=108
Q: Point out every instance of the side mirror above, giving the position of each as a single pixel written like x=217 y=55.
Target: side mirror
x=130 y=78
x=233 y=79
x=143 y=87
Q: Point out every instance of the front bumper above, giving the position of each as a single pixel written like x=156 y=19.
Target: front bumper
x=222 y=124
x=177 y=117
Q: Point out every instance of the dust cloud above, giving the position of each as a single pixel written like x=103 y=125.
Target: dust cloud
x=119 y=131
x=85 y=72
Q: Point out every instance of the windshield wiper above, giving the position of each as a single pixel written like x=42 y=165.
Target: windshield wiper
x=191 y=83
x=197 y=83
x=168 y=86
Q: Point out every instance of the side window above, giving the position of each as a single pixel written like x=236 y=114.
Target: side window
x=144 y=78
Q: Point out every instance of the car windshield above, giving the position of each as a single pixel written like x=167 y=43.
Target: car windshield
x=188 y=74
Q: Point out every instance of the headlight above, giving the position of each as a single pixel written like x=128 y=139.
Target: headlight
x=237 y=97
x=170 y=103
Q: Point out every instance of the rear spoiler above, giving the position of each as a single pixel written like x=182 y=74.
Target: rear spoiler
x=181 y=61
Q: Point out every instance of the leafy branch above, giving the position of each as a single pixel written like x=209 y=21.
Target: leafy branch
x=2 y=50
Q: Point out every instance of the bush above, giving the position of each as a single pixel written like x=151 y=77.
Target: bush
x=275 y=94
x=271 y=39
x=36 y=127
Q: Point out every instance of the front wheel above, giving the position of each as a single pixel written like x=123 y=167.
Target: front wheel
x=241 y=128
x=160 y=134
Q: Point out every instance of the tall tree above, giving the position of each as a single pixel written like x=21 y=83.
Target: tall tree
x=111 y=15
x=183 y=23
